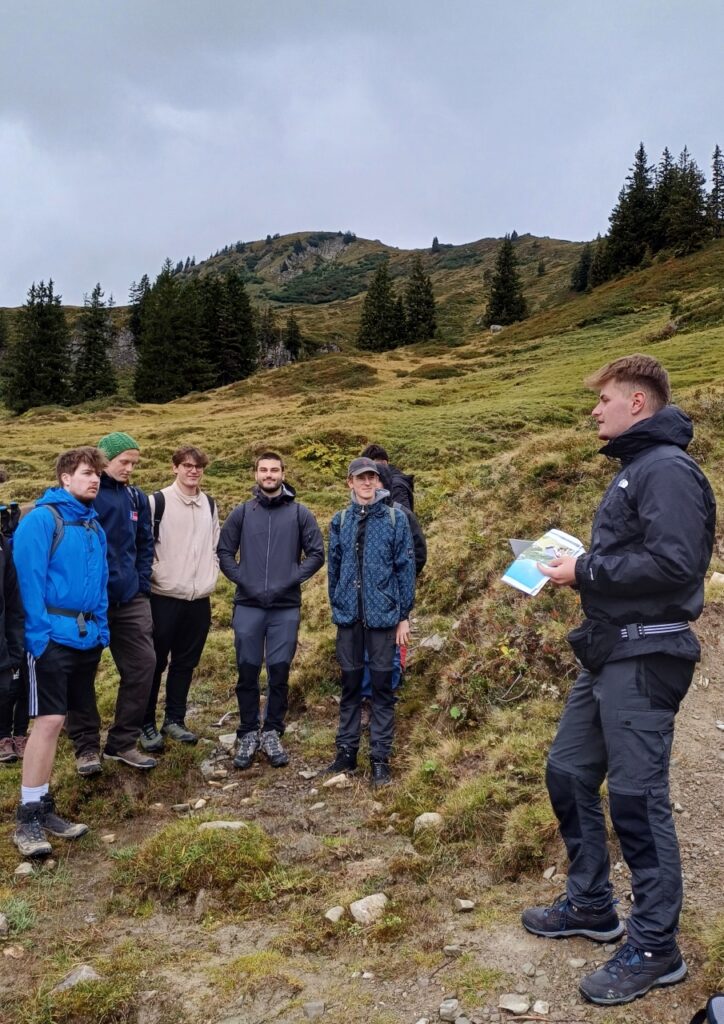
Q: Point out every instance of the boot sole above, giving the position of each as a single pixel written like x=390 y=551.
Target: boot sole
x=87 y=772
x=43 y=851
x=667 y=979
x=587 y=933
x=131 y=764
x=68 y=835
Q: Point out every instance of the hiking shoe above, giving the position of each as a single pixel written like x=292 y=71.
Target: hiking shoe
x=381 y=775
x=345 y=761
x=563 y=918
x=88 y=764
x=20 y=743
x=132 y=757
x=365 y=714
x=7 y=750
x=248 y=746
x=53 y=823
x=275 y=752
x=151 y=739
x=630 y=973
x=29 y=836
x=178 y=731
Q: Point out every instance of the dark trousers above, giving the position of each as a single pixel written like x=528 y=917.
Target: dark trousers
x=620 y=722
x=270 y=635
x=352 y=643
x=131 y=630
x=14 y=714
x=180 y=629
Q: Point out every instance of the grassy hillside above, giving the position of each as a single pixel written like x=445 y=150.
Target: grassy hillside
x=496 y=432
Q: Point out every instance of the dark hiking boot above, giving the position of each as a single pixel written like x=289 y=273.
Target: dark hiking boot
x=381 y=775
x=132 y=757
x=7 y=750
x=248 y=746
x=178 y=731
x=563 y=919
x=57 y=826
x=345 y=761
x=630 y=973
x=275 y=752
x=29 y=836
x=88 y=764
x=151 y=739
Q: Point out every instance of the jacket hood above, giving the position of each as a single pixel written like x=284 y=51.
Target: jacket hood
x=380 y=498
x=667 y=426
x=287 y=494
x=68 y=506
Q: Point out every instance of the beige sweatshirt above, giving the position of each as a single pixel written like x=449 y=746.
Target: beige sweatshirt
x=185 y=563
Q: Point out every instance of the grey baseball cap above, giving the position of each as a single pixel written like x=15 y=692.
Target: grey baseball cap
x=362 y=465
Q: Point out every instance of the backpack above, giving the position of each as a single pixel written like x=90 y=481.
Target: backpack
x=60 y=524
x=159 y=507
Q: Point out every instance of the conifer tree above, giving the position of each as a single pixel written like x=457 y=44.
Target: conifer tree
x=686 y=215
x=632 y=218
x=4 y=332
x=715 y=206
x=599 y=271
x=435 y=247
x=293 y=337
x=36 y=367
x=379 y=323
x=238 y=344
x=136 y=296
x=582 y=270
x=419 y=304
x=93 y=375
x=663 y=191
x=400 y=327
x=506 y=303
x=162 y=370
x=267 y=330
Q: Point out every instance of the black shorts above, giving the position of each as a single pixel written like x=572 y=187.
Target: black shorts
x=62 y=679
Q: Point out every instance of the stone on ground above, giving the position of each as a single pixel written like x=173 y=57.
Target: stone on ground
x=334 y=914
x=211 y=826
x=24 y=869
x=369 y=909
x=4 y=926
x=314 y=1009
x=449 y=1009
x=227 y=742
x=338 y=782
x=428 y=821
x=464 y=906
x=542 y=1007
x=514 y=1003
x=82 y=973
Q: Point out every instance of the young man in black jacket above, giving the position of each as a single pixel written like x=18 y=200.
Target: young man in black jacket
x=268 y=535
x=640 y=585
x=11 y=656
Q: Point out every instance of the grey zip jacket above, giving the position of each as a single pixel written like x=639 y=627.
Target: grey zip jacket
x=261 y=547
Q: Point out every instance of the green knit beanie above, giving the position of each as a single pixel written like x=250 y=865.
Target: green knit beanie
x=113 y=444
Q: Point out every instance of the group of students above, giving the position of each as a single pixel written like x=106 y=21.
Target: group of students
x=96 y=563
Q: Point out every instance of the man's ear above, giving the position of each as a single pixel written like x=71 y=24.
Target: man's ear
x=638 y=402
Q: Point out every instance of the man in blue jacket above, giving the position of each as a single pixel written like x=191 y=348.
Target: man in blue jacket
x=641 y=584
x=124 y=514
x=268 y=534
x=371 y=580
x=60 y=557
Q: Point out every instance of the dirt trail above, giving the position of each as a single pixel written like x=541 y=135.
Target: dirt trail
x=355 y=842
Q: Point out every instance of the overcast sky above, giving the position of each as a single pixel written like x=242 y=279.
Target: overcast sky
x=132 y=130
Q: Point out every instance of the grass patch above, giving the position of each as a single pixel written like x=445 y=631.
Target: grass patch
x=247 y=975
x=20 y=914
x=714 y=945
x=472 y=982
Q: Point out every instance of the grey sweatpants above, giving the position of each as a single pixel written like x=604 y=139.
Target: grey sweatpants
x=264 y=634
x=620 y=722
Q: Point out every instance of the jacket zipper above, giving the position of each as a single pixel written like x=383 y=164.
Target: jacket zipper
x=361 y=564
x=268 y=548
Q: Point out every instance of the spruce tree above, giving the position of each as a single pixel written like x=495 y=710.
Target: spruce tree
x=136 y=297
x=686 y=216
x=378 y=323
x=663 y=191
x=600 y=270
x=632 y=218
x=582 y=270
x=435 y=247
x=267 y=330
x=238 y=344
x=506 y=303
x=93 y=375
x=715 y=205
x=400 y=328
x=36 y=367
x=293 y=337
x=4 y=332
x=162 y=370
x=419 y=312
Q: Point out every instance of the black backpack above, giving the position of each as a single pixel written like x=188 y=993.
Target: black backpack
x=159 y=507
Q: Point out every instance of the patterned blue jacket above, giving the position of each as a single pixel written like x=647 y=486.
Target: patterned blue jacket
x=388 y=566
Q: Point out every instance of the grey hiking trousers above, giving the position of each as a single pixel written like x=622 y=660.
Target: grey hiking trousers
x=620 y=722
x=352 y=643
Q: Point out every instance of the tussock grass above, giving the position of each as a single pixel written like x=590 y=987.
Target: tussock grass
x=181 y=858
x=714 y=945
x=247 y=975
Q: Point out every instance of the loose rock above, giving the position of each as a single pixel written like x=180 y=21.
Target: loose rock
x=180 y=808
x=227 y=742
x=434 y=642
x=108 y=838
x=318 y=806
x=514 y=1003
x=14 y=952
x=4 y=926
x=369 y=909
x=232 y=826
x=448 y=1009
x=314 y=1009
x=24 y=870
x=550 y=872
x=429 y=821
x=528 y=969
x=334 y=914
x=228 y=786
x=577 y=962
x=542 y=1007
x=200 y=803
x=452 y=951
x=338 y=782
x=82 y=973
x=464 y=906
x=308 y=774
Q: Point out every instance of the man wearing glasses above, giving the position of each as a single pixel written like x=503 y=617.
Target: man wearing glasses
x=185 y=570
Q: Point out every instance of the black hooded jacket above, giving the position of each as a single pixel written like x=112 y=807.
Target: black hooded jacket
x=652 y=537
x=418 y=537
x=269 y=536
x=11 y=612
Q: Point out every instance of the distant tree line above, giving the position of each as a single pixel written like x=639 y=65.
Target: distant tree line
x=660 y=209
x=390 y=319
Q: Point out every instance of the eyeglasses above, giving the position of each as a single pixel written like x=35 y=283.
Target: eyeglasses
x=188 y=466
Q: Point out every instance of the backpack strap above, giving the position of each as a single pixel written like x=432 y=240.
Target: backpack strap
x=59 y=525
x=343 y=513
x=212 y=504
x=159 y=507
